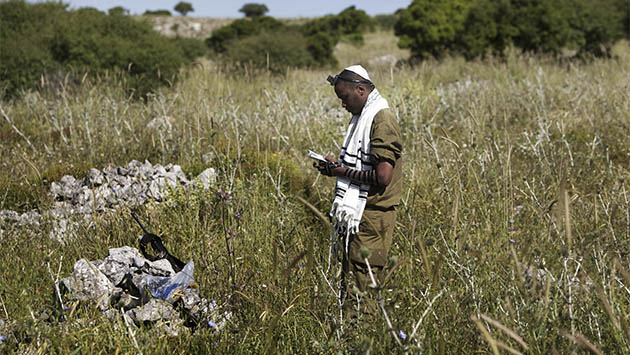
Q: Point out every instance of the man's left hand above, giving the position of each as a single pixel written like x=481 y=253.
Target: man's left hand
x=329 y=168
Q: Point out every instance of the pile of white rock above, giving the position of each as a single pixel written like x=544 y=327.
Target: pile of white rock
x=100 y=190
x=146 y=293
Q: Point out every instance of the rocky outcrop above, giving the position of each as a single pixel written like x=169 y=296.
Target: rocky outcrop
x=101 y=190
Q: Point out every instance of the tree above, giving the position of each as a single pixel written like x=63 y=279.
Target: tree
x=488 y=27
x=254 y=10
x=429 y=28
x=184 y=7
x=118 y=11
x=157 y=13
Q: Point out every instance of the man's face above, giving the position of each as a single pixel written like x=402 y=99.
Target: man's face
x=351 y=97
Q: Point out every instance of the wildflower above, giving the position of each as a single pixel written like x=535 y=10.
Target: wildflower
x=143 y=195
x=238 y=215
x=3 y=338
x=402 y=335
x=211 y=324
x=65 y=309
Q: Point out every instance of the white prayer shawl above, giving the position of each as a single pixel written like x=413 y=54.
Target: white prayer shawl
x=351 y=197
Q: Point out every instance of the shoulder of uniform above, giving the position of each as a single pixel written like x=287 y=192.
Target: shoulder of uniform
x=384 y=115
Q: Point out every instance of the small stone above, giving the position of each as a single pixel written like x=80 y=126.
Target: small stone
x=88 y=283
x=206 y=178
x=153 y=311
x=94 y=178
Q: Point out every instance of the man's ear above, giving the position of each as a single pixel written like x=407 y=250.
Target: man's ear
x=360 y=90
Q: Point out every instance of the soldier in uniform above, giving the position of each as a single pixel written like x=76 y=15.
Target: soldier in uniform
x=369 y=175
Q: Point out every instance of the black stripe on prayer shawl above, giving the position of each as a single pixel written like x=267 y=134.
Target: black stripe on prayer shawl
x=353 y=164
x=345 y=152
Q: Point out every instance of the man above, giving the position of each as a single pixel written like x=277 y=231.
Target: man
x=369 y=175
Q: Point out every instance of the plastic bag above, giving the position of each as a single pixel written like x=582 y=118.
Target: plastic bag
x=162 y=287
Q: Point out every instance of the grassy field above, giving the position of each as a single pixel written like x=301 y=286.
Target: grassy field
x=513 y=234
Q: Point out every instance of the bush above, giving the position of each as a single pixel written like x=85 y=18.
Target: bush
x=273 y=50
x=223 y=37
x=349 y=24
x=430 y=28
x=183 y=7
x=43 y=38
x=321 y=47
x=157 y=13
x=191 y=48
x=25 y=34
x=254 y=10
x=475 y=27
x=311 y=44
x=596 y=25
x=488 y=27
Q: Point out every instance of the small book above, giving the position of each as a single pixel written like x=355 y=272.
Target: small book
x=313 y=155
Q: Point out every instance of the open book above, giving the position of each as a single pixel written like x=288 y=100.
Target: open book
x=313 y=155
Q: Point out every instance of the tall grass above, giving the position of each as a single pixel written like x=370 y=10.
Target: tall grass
x=513 y=233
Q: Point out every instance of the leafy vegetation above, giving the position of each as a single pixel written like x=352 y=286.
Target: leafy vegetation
x=253 y=10
x=157 y=13
x=45 y=40
x=184 y=8
x=312 y=43
x=476 y=27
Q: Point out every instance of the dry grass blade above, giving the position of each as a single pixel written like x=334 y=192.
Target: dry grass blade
x=317 y=212
x=567 y=217
x=508 y=348
x=608 y=308
x=624 y=272
x=580 y=340
x=507 y=330
x=486 y=335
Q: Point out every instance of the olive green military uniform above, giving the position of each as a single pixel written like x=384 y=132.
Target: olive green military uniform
x=379 y=217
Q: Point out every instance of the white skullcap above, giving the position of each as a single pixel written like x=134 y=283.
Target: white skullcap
x=357 y=69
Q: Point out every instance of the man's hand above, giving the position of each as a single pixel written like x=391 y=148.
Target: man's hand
x=329 y=168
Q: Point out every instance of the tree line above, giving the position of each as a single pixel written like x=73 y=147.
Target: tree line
x=48 y=39
x=476 y=28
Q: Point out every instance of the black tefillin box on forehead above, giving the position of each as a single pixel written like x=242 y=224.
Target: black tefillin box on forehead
x=334 y=79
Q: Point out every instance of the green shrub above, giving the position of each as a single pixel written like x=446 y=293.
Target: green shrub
x=541 y=26
x=157 y=13
x=475 y=27
x=307 y=45
x=191 y=48
x=223 y=37
x=118 y=10
x=183 y=7
x=254 y=10
x=488 y=27
x=25 y=34
x=274 y=50
x=349 y=24
x=45 y=38
x=430 y=28
x=321 y=47
x=596 y=25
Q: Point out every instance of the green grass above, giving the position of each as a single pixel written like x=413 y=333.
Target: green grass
x=491 y=147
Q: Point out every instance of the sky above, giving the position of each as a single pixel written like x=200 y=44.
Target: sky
x=229 y=8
